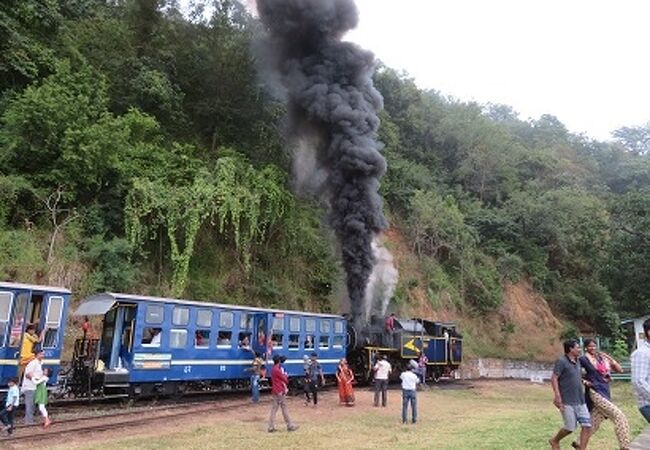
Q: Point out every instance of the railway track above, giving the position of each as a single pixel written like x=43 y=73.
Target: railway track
x=79 y=426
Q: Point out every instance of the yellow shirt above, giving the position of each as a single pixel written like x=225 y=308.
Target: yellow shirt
x=27 y=350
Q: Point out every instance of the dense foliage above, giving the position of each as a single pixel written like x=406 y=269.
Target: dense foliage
x=139 y=151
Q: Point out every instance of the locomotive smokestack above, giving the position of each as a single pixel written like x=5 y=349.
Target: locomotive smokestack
x=333 y=122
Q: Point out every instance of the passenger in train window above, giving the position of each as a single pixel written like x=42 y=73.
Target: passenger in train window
x=199 y=340
x=245 y=343
x=151 y=337
x=309 y=342
x=223 y=339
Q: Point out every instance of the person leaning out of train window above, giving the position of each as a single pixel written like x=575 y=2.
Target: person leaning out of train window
x=30 y=339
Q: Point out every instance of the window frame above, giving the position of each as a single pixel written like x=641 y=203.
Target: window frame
x=202 y=330
x=292 y=322
x=296 y=343
x=308 y=322
x=8 y=322
x=320 y=341
x=171 y=339
x=180 y=309
x=198 y=315
x=228 y=331
x=58 y=322
x=146 y=313
x=325 y=323
x=226 y=313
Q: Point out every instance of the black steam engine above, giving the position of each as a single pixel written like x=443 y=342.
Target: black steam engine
x=436 y=346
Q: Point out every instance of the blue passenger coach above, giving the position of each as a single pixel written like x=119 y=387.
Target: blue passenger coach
x=150 y=344
x=25 y=304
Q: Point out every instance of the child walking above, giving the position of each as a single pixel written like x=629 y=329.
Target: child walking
x=11 y=404
x=40 y=397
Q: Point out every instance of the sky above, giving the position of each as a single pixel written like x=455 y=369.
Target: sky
x=585 y=62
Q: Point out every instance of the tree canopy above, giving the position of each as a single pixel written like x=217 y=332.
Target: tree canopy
x=164 y=149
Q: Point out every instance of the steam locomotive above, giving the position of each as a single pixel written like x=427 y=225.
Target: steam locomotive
x=163 y=346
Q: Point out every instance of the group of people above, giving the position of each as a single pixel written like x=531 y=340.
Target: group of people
x=34 y=383
x=581 y=387
x=313 y=375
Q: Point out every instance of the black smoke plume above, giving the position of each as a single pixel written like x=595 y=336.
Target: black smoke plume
x=333 y=106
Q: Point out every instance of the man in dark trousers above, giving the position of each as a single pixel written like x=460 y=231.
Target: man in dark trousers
x=569 y=396
x=315 y=375
x=279 y=389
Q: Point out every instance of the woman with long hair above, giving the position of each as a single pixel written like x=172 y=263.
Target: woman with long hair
x=345 y=377
x=598 y=367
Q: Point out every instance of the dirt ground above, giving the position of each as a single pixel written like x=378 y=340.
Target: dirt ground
x=476 y=415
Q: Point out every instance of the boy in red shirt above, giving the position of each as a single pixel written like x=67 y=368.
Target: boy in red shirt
x=279 y=389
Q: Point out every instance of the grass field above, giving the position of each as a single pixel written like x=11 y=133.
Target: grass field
x=491 y=415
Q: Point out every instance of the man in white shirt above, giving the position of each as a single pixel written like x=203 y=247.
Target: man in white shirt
x=640 y=360
x=409 y=393
x=382 y=370
x=33 y=371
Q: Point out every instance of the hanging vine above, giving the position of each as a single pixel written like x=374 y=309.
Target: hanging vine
x=243 y=202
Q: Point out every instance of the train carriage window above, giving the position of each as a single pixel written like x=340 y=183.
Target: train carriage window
x=294 y=324
x=154 y=314
x=226 y=319
x=278 y=323
x=337 y=342
x=245 y=340
x=150 y=336
x=224 y=339
x=294 y=341
x=178 y=338
x=309 y=341
x=5 y=308
x=310 y=325
x=324 y=326
x=18 y=320
x=52 y=320
x=204 y=318
x=202 y=338
x=324 y=341
x=276 y=340
x=338 y=327
x=245 y=321
x=180 y=316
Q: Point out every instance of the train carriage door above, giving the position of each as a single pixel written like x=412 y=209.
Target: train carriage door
x=262 y=337
x=15 y=335
x=7 y=353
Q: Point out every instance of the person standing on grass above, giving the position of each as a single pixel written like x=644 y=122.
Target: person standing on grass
x=598 y=367
x=640 y=360
x=11 y=404
x=279 y=389
x=345 y=378
x=33 y=371
x=410 y=382
x=569 y=396
x=382 y=370
x=315 y=376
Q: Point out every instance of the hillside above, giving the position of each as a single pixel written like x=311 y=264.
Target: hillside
x=147 y=151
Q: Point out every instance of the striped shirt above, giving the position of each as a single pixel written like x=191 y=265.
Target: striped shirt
x=640 y=360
